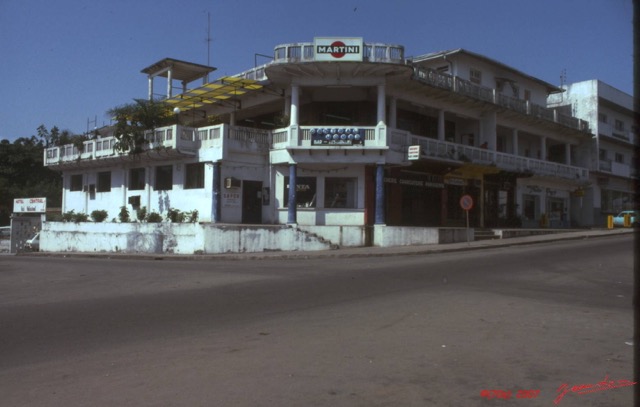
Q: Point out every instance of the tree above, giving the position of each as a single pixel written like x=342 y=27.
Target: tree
x=23 y=174
x=133 y=120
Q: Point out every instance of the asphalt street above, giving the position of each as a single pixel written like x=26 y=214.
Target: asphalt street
x=460 y=328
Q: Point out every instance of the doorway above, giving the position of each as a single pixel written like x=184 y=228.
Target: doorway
x=252 y=202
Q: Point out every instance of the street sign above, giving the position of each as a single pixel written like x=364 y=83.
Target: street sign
x=466 y=202
x=414 y=153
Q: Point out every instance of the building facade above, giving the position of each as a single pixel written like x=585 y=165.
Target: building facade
x=612 y=162
x=321 y=135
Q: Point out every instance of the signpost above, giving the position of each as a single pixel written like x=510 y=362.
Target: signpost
x=466 y=203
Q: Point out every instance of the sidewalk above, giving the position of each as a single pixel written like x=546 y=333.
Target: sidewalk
x=356 y=251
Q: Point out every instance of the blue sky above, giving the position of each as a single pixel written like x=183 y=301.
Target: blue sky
x=66 y=62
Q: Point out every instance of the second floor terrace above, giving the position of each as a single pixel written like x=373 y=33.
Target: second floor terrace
x=220 y=142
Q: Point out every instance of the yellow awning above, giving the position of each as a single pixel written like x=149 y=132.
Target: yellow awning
x=222 y=89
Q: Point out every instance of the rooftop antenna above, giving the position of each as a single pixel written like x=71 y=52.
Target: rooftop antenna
x=563 y=80
x=95 y=124
x=208 y=40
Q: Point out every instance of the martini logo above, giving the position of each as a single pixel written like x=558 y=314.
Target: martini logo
x=344 y=49
x=338 y=49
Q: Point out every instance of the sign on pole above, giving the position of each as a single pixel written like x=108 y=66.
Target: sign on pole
x=466 y=203
x=30 y=205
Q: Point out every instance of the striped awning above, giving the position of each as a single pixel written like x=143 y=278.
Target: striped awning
x=220 y=90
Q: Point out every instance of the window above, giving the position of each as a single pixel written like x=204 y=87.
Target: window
x=602 y=118
x=603 y=154
x=76 y=183
x=619 y=125
x=137 y=179
x=527 y=94
x=305 y=192
x=619 y=158
x=194 y=176
x=475 y=76
x=104 y=182
x=164 y=178
x=340 y=192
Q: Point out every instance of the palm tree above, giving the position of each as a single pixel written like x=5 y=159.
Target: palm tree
x=133 y=120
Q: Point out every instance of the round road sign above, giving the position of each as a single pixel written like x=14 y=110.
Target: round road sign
x=466 y=202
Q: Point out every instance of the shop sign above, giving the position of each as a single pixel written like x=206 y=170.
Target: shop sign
x=338 y=49
x=414 y=153
x=30 y=205
x=429 y=181
x=337 y=136
x=456 y=181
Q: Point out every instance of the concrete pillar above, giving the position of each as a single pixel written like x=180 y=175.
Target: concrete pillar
x=215 y=194
x=150 y=87
x=232 y=118
x=393 y=113
x=543 y=148
x=292 y=214
x=381 y=104
x=567 y=154
x=169 y=83
x=379 y=213
x=441 y=125
x=295 y=102
x=514 y=138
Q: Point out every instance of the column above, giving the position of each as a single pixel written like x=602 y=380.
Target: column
x=393 y=113
x=441 y=125
x=215 y=195
x=295 y=101
x=150 y=87
x=543 y=148
x=292 y=217
x=567 y=154
x=169 y=83
x=514 y=139
x=381 y=104
x=379 y=212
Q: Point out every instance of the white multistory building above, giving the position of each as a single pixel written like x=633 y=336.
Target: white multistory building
x=327 y=125
x=612 y=161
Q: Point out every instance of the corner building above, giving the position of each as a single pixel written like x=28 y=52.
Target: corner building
x=323 y=138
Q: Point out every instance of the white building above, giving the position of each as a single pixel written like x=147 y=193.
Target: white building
x=612 y=162
x=335 y=118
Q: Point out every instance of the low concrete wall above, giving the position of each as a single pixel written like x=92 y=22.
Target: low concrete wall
x=388 y=236
x=343 y=236
x=184 y=238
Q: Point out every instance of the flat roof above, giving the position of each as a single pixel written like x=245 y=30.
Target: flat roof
x=180 y=70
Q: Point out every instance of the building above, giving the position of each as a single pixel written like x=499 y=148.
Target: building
x=612 y=163
x=321 y=135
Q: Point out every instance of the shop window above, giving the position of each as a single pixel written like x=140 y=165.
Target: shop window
x=164 y=178
x=305 y=192
x=137 y=179
x=194 y=176
x=76 y=183
x=340 y=192
x=104 y=182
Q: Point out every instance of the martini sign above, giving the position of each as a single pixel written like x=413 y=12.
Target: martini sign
x=338 y=49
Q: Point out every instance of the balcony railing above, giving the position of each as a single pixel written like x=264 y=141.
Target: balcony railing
x=463 y=87
x=372 y=52
x=446 y=151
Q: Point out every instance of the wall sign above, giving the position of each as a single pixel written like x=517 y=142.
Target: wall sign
x=337 y=137
x=338 y=49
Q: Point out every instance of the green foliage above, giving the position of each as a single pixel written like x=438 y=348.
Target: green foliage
x=124 y=216
x=71 y=216
x=192 y=217
x=154 y=217
x=141 y=214
x=23 y=174
x=134 y=119
x=99 y=215
x=175 y=216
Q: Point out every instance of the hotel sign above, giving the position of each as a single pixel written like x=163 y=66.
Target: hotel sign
x=338 y=49
x=30 y=205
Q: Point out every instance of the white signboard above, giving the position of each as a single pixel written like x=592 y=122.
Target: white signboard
x=30 y=205
x=338 y=49
x=414 y=153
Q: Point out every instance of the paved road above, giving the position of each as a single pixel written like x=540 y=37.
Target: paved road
x=421 y=330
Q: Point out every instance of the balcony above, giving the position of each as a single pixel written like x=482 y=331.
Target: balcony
x=162 y=144
x=458 y=153
x=466 y=88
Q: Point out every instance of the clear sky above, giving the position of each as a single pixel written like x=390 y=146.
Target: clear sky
x=66 y=62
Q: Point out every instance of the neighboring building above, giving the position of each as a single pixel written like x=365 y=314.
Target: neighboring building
x=612 y=163
x=327 y=126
